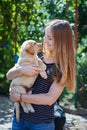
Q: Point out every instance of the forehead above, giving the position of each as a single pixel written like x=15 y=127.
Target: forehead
x=48 y=30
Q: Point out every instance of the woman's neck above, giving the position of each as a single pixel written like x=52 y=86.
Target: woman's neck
x=49 y=58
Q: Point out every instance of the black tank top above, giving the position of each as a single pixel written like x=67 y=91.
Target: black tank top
x=43 y=113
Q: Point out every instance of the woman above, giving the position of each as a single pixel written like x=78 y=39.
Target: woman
x=60 y=61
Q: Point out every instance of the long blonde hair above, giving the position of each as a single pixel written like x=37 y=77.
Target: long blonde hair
x=64 y=52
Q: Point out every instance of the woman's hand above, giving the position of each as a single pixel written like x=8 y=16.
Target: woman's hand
x=14 y=96
x=30 y=70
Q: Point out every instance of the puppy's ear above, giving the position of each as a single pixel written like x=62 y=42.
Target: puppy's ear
x=29 y=49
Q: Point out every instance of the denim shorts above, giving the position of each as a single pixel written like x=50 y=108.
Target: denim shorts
x=25 y=125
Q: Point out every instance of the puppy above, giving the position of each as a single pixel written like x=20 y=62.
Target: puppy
x=28 y=56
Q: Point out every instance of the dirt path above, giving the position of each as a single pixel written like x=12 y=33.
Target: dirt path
x=6 y=110
x=73 y=122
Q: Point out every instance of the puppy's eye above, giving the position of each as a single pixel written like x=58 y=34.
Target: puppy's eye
x=35 y=43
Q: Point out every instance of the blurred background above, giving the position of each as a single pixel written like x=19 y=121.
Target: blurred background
x=21 y=20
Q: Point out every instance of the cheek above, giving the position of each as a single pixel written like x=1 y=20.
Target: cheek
x=51 y=44
x=50 y=47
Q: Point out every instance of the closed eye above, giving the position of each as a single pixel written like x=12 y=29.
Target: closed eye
x=49 y=38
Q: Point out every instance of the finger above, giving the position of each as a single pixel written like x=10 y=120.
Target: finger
x=34 y=72
x=37 y=68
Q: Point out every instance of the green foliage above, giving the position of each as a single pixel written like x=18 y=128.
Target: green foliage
x=82 y=17
x=82 y=72
x=82 y=63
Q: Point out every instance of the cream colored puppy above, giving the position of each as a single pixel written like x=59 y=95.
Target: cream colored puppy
x=28 y=55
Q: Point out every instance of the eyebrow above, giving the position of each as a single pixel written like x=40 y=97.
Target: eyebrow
x=49 y=36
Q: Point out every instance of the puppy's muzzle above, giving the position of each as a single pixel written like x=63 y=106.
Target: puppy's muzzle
x=39 y=47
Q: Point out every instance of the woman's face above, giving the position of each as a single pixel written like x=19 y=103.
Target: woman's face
x=49 y=40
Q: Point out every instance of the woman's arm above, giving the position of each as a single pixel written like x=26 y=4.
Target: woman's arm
x=28 y=70
x=40 y=99
x=13 y=72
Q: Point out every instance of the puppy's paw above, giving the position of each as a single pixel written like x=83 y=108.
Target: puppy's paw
x=30 y=108
x=43 y=74
x=25 y=110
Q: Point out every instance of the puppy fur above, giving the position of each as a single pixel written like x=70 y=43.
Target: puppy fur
x=28 y=55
